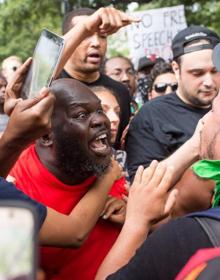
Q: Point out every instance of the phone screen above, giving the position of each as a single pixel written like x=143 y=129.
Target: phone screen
x=17 y=245
x=45 y=60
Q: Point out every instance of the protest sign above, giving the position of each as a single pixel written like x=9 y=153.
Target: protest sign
x=153 y=35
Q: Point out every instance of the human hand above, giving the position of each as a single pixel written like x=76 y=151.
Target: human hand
x=107 y=21
x=29 y=120
x=11 y=179
x=114 y=210
x=115 y=169
x=13 y=89
x=149 y=200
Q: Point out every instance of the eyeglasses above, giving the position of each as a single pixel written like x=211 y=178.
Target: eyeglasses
x=162 y=87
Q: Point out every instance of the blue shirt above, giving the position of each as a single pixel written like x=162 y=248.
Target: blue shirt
x=9 y=192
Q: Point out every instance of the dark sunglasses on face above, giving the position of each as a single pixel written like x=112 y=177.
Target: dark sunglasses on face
x=161 y=87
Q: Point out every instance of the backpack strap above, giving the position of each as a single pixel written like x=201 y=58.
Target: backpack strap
x=212 y=229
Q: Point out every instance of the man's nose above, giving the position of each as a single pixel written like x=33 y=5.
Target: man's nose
x=95 y=40
x=208 y=80
x=99 y=120
x=124 y=77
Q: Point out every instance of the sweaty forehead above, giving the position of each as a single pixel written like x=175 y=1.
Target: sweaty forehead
x=69 y=91
x=82 y=98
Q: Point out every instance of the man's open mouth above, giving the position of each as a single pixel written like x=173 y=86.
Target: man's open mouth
x=100 y=145
x=94 y=58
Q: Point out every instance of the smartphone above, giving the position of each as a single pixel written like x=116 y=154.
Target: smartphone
x=46 y=58
x=18 y=241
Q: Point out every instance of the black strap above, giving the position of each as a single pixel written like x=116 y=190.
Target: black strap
x=211 y=227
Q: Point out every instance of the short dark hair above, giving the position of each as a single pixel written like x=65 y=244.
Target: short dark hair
x=67 y=21
x=158 y=69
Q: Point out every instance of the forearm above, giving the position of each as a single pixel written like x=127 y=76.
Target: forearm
x=72 y=230
x=182 y=158
x=72 y=39
x=128 y=241
x=90 y=207
x=9 y=153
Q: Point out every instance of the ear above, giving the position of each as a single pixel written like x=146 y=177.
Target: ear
x=176 y=69
x=46 y=140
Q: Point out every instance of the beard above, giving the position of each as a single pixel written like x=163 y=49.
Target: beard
x=74 y=161
x=197 y=100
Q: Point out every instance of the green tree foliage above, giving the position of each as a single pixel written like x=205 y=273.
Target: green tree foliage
x=22 y=20
x=203 y=12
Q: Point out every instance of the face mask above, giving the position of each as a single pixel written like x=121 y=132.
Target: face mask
x=210 y=169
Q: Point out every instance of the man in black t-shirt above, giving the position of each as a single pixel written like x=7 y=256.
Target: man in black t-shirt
x=85 y=63
x=166 y=250
x=165 y=123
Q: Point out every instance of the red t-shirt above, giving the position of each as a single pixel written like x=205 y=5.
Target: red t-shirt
x=58 y=263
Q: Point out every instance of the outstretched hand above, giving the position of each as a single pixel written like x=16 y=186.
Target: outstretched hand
x=149 y=198
x=107 y=21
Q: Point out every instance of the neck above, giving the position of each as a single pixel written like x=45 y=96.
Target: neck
x=48 y=159
x=186 y=101
x=82 y=76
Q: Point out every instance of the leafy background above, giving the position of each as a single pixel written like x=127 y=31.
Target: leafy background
x=22 y=20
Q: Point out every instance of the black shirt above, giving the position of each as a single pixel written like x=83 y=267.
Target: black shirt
x=165 y=251
x=122 y=95
x=160 y=127
x=9 y=192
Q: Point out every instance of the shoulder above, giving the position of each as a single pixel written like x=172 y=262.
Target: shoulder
x=163 y=106
x=171 y=246
x=8 y=192
x=164 y=100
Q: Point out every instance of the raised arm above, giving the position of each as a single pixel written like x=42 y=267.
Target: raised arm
x=187 y=154
x=105 y=21
x=148 y=202
x=73 y=230
x=29 y=120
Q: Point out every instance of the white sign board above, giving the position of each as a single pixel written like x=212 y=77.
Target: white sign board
x=153 y=35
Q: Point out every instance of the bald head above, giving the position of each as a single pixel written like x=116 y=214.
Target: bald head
x=73 y=150
x=66 y=89
x=70 y=91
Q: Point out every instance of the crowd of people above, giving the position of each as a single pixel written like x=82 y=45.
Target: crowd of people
x=121 y=164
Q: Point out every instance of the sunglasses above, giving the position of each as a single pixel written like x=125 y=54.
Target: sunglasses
x=162 y=87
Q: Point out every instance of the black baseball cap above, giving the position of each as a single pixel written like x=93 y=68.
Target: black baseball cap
x=148 y=60
x=190 y=34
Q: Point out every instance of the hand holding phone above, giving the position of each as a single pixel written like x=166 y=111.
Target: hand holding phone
x=46 y=57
